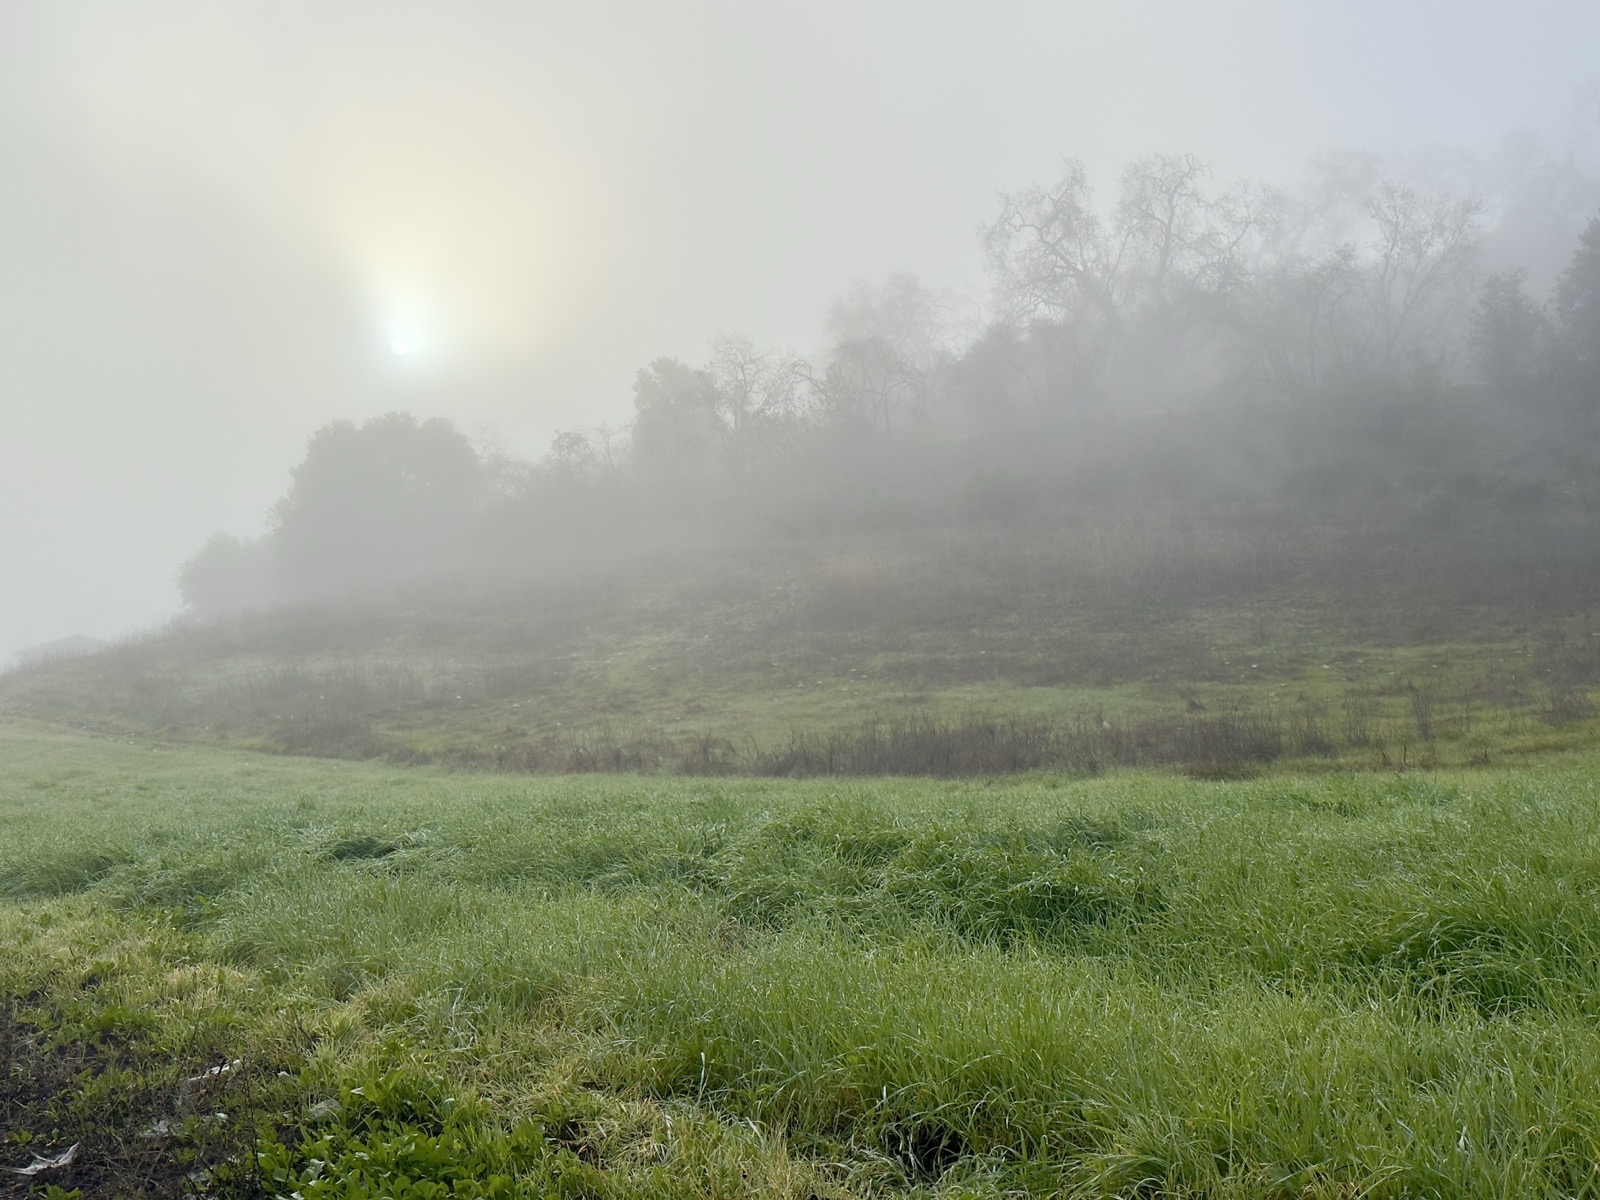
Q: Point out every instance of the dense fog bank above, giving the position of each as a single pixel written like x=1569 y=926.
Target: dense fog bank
x=1329 y=366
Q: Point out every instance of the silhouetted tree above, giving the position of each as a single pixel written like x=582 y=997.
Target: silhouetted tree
x=227 y=576
x=675 y=421
x=705 y=426
x=1508 y=334
x=385 y=501
x=1577 y=308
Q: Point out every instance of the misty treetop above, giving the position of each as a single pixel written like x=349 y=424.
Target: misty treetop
x=1577 y=315
x=1336 y=357
x=388 y=500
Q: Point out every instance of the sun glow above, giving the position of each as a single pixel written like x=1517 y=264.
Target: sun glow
x=404 y=338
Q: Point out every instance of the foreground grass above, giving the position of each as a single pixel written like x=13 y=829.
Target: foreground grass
x=437 y=984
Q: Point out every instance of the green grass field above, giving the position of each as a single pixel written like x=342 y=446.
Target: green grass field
x=420 y=983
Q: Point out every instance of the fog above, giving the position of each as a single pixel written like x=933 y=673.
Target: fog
x=219 y=225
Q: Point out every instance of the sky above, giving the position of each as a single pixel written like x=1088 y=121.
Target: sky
x=220 y=222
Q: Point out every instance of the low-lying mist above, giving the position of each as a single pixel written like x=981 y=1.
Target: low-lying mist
x=1229 y=370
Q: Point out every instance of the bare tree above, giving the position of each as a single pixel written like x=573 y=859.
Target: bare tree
x=889 y=344
x=757 y=399
x=1166 y=261
x=590 y=454
x=1421 y=274
x=1051 y=253
x=1292 y=329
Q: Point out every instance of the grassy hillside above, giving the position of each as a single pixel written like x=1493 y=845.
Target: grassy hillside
x=963 y=651
x=343 y=975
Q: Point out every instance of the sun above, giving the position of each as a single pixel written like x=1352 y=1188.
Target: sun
x=401 y=346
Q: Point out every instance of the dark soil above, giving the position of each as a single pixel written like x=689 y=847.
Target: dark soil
x=143 y=1128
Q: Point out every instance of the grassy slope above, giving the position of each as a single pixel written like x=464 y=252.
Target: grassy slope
x=715 y=662
x=1373 y=984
